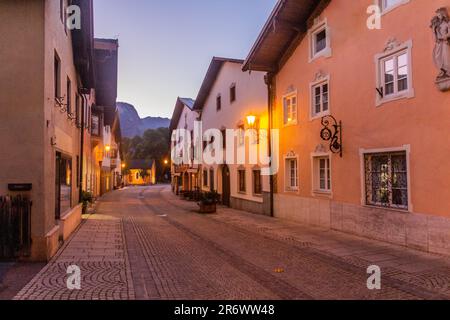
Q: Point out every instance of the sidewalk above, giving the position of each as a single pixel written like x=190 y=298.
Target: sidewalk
x=421 y=269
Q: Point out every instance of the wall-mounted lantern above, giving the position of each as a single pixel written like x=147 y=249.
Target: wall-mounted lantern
x=332 y=132
x=251 y=120
x=107 y=148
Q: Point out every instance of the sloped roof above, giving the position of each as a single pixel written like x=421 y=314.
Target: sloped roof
x=83 y=44
x=178 y=110
x=286 y=27
x=106 y=72
x=141 y=164
x=210 y=78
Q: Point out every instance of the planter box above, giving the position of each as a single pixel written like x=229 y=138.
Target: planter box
x=207 y=208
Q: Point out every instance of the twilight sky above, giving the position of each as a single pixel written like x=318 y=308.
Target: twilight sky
x=166 y=45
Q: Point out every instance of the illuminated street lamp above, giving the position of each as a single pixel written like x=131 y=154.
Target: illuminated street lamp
x=107 y=148
x=166 y=162
x=123 y=165
x=251 y=120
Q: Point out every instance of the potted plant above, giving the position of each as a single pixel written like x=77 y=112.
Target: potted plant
x=86 y=198
x=208 y=202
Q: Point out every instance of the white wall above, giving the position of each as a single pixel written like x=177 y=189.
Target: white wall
x=251 y=98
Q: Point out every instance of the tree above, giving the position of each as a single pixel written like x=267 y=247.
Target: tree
x=153 y=145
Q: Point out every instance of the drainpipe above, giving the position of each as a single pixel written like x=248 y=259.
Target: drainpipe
x=82 y=125
x=269 y=83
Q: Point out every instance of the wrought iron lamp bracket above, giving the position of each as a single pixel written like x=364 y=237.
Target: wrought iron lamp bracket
x=332 y=132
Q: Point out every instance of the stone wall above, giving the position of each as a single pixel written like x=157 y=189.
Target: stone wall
x=247 y=205
x=413 y=230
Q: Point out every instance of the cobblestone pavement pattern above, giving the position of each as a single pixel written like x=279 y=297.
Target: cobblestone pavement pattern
x=145 y=243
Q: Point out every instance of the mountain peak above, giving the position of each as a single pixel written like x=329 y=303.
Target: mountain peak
x=133 y=125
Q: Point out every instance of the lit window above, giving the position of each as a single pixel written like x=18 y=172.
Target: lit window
x=386 y=180
x=241 y=135
x=290 y=109
x=320 y=99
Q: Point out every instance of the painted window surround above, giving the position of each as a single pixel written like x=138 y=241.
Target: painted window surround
x=315 y=175
x=391 y=8
x=319 y=25
x=407 y=94
x=363 y=152
x=312 y=85
x=288 y=95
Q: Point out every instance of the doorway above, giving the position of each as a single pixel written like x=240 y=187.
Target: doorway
x=226 y=186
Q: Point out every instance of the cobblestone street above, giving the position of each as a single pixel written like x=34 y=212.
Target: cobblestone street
x=144 y=243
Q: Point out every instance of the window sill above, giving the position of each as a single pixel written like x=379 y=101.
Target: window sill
x=404 y=211
x=319 y=115
x=290 y=124
x=325 y=53
x=399 y=96
x=321 y=193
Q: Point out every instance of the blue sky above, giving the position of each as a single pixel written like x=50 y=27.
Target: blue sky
x=167 y=45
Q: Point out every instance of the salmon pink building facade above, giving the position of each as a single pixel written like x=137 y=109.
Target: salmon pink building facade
x=363 y=115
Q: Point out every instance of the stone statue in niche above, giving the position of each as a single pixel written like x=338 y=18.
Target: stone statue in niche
x=441 y=54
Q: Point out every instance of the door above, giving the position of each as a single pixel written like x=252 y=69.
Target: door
x=226 y=186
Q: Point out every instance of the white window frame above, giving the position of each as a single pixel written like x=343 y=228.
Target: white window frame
x=287 y=174
x=379 y=65
x=385 y=9
x=318 y=27
x=313 y=115
x=363 y=153
x=315 y=169
x=294 y=120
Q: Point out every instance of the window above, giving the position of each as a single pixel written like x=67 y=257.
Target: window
x=241 y=135
x=257 y=182
x=78 y=110
x=219 y=103
x=319 y=38
x=394 y=74
x=291 y=174
x=57 y=76
x=242 y=183
x=95 y=126
x=386 y=180
x=62 y=10
x=211 y=179
x=320 y=99
x=224 y=138
x=388 y=5
x=322 y=174
x=69 y=97
x=233 y=93
x=290 y=109
x=205 y=178
x=320 y=41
